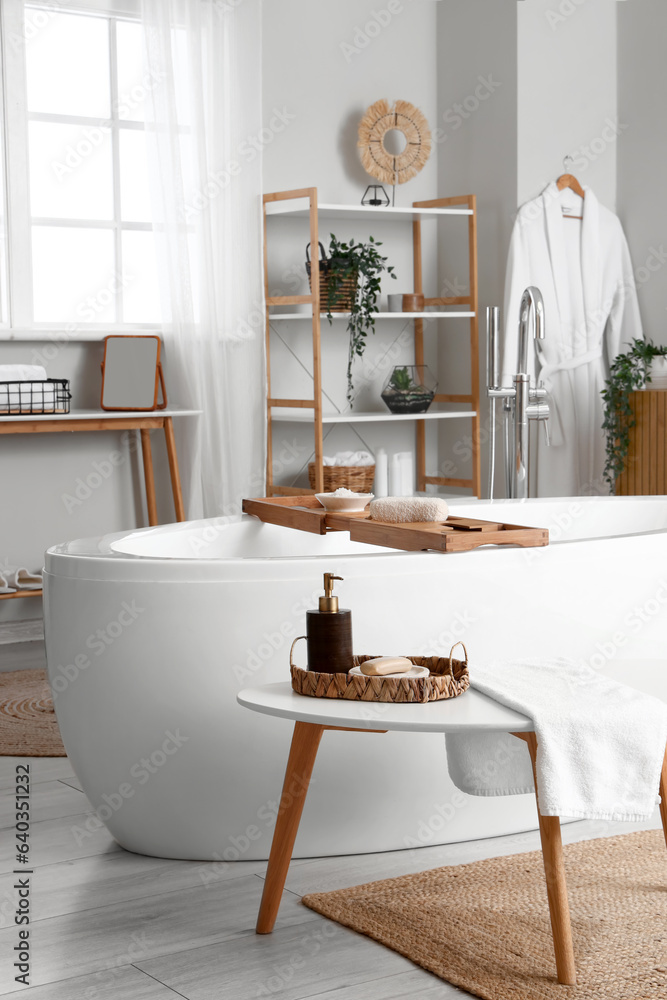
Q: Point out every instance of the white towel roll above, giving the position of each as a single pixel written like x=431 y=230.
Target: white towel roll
x=409 y=510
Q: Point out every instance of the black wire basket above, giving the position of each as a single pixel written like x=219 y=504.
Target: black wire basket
x=51 y=395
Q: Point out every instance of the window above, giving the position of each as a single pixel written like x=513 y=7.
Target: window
x=81 y=253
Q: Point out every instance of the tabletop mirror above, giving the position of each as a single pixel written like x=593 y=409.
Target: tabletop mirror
x=132 y=373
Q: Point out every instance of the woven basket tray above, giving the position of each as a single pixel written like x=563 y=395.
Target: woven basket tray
x=449 y=678
x=352 y=477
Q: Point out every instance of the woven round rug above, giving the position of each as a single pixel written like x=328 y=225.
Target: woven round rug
x=28 y=726
x=485 y=927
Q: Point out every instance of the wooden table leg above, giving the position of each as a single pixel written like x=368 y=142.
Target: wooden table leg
x=554 y=869
x=663 y=796
x=149 y=475
x=173 y=469
x=305 y=743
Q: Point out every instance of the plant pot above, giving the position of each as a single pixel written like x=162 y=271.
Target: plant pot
x=345 y=294
x=409 y=389
x=658 y=373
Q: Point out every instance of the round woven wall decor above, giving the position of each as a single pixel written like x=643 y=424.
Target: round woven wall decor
x=381 y=118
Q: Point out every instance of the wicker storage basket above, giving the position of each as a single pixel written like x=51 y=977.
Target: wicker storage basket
x=345 y=293
x=353 y=477
x=449 y=678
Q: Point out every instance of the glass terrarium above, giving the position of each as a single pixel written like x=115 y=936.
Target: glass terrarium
x=409 y=389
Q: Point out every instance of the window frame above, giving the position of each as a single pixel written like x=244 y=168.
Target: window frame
x=19 y=323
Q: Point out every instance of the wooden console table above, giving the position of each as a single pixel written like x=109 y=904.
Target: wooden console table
x=104 y=420
x=645 y=472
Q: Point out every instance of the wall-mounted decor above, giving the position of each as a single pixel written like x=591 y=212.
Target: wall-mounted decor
x=132 y=373
x=394 y=141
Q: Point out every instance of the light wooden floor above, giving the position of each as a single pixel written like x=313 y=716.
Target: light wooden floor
x=108 y=924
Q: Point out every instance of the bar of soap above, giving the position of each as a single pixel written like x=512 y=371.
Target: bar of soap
x=382 y=665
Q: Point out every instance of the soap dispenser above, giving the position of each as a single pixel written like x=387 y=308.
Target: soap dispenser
x=329 y=633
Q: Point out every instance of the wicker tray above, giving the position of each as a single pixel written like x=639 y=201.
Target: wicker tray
x=449 y=678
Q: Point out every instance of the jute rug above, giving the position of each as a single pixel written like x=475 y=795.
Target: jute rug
x=28 y=726
x=485 y=926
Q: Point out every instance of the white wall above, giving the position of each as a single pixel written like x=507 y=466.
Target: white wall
x=324 y=64
x=477 y=154
x=566 y=91
x=642 y=198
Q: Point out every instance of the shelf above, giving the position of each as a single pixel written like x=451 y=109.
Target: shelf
x=20 y=593
x=171 y=411
x=289 y=408
x=298 y=208
x=305 y=416
x=378 y=315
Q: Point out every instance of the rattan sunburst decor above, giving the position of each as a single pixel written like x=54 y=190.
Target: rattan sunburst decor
x=381 y=118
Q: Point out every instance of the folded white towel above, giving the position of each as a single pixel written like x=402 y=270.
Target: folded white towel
x=4 y=584
x=22 y=373
x=22 y=395
x=601 y=744
x=349 y=458
x=19 y=578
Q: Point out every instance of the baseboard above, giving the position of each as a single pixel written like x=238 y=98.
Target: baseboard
x=22 y=656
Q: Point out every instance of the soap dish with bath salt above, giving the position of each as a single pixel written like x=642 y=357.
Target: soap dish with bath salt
x=345 y=501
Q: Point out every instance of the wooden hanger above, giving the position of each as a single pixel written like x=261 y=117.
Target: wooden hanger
x=570 y=181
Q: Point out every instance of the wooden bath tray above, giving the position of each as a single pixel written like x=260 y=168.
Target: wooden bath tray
x=456 y=534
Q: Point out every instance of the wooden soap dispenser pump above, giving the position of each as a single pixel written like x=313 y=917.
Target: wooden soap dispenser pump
x=329 y=633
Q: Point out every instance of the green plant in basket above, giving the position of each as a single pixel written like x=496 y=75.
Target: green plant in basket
x=365 y=263
x=629 y=372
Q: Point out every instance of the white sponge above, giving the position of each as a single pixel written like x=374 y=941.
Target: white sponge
x=397 y=510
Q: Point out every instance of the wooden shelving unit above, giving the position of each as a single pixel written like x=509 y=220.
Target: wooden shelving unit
x=303 y=204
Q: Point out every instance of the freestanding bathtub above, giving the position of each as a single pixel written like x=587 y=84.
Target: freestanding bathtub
x=150 y=634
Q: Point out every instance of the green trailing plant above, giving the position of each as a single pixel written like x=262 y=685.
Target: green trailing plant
x=629 y=372
x=364 y=263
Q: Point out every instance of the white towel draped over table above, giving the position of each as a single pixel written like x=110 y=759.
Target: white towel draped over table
x=601 y=744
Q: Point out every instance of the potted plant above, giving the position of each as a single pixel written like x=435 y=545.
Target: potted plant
x=409 y=389
x=362 y=264
x=629 y=372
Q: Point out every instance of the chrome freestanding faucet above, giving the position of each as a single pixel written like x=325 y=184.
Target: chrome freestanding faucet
x=521 y=404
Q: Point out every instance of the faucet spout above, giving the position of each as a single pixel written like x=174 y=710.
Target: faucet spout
x=532 y=304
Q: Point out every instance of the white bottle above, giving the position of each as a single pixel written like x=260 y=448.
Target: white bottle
x=380 y=487
x=395 y=476
x=407 y=473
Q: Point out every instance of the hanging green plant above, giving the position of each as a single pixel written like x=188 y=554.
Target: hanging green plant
x=364 y=263
x=629 y=372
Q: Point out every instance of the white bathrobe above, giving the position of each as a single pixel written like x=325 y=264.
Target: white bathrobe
x=584 y=272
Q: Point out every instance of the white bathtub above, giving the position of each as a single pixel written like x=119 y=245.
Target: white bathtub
x=150 y=634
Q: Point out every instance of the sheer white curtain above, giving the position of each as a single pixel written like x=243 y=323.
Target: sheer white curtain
x=203 y=61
